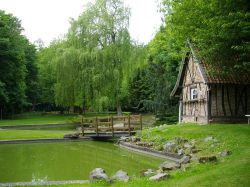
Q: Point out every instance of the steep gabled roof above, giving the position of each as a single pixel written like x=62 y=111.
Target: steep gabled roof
x=207 y=76
x=178 y=85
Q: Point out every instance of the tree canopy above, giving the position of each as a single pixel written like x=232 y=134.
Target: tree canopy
x=17 y=66
x=94 y=64
x=218 y=29
x=97 y=66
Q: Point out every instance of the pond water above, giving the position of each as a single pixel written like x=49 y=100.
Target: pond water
x=68 y=161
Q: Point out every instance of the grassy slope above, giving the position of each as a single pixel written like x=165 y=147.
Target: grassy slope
x=233 y=170
x=230 y=171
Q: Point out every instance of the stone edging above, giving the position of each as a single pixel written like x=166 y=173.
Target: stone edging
x=40 y=183
x=145 y=150
x=42 y=140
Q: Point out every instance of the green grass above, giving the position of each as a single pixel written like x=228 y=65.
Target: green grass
x=37 y=119
x=31 y=134
x=233 y=170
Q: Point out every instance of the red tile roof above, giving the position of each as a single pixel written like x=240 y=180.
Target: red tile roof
x=230 y=78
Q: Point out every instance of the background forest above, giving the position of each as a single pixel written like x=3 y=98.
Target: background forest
x=96 y=66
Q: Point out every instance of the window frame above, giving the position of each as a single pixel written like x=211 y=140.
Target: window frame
x=193 y=97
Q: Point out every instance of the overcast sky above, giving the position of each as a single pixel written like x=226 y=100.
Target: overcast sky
x=49 y=19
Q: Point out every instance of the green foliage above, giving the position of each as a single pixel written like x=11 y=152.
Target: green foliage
x=94 y=62
x=162 y=71
x=218 y=29
x=32 y=85
x=17 y=66
x=219 y=32
x=12 y=64
x=140 y=89
x=46 y=72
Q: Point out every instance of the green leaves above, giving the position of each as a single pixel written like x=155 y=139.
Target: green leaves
x=90 y=67
x=17 y=68
x=218 y=29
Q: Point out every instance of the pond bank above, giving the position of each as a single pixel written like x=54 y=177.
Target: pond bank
x=43 y=140
x=36 y=126
x=147 y=151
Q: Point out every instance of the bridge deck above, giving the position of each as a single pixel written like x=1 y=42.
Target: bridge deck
x=111 y=126
x=108 y=136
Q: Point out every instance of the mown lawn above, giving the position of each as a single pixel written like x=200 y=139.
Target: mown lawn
x=233 y=170
x=38 y=119
x=31 y=134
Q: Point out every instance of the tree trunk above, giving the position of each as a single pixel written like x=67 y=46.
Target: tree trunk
x=33 y=105
x=71 y=109
x=119 y=109
x=1 y=113
x=83 y=107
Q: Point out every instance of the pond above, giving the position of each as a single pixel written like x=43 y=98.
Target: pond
x=68 y=160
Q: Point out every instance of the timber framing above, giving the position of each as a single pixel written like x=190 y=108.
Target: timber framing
x=219 y=98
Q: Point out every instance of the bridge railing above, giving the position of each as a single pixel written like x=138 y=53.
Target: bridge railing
x=111 y=124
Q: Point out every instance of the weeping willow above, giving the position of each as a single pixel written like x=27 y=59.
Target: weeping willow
x=94 y=65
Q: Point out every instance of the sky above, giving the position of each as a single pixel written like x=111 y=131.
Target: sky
x=49 y=19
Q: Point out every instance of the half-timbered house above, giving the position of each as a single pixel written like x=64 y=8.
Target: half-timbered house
x=206 y=97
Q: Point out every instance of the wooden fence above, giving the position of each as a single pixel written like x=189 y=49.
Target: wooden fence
x=111 y=124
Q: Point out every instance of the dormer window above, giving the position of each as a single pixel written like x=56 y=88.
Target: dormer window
x=193 y=93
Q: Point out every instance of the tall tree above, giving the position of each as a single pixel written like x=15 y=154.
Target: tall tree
x=32 y=85
x=12 y=64
x=164 y=55
x=218 y=29
x=46 y=61
x=97 y=48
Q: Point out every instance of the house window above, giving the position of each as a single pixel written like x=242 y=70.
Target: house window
x=193 y=93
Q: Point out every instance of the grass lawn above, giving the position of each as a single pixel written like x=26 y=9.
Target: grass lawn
x=38 y=118
x=233 y=170
x=31 y=134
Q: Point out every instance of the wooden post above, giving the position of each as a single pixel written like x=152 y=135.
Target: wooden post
x=112 y=126
x=209 y=104
x=141 y=121
x=223 y=100
x=246 y=99
x=96 y=125
x=180 y=111
x=129 y=130
x=82 y=130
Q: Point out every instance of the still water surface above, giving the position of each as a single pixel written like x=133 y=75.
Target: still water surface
x=68 y=161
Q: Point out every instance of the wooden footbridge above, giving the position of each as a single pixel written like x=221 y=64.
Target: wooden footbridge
x=111 y=126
